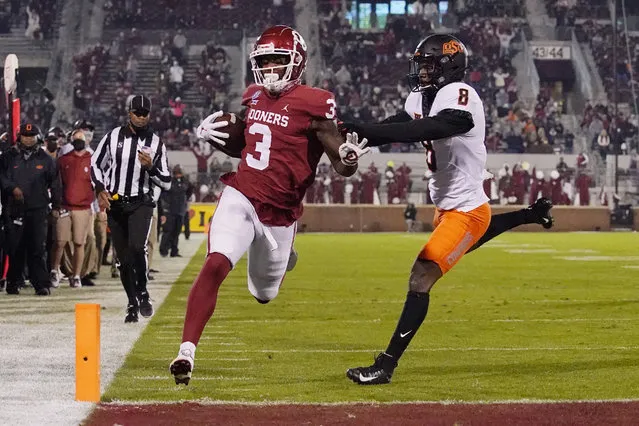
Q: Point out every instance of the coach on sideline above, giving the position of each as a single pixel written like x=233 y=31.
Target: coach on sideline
x=128 y=162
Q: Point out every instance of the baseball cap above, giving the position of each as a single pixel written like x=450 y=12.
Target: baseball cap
x=83 y=124
x=140 y=103
x=28 y=129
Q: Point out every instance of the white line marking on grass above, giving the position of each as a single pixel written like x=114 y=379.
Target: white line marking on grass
x=208 y=359
x=514 y=246
x=582 y=251
x=208 y=401
x=228 y=317
x=177 y=329
x=517 y=251
x=599 y=258
x=167 y=378
x=201 y=338
x=181 y=317
x=630 y=266
x=449 y=349
x=173 y=335
x=562 y=320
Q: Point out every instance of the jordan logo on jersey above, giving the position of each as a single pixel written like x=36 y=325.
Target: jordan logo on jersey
x=254 y=99
x=268 y=117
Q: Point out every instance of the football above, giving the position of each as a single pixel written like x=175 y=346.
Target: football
x=235 y=143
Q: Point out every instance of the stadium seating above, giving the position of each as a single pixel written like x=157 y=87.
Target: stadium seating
x=599 y=38
x=248 y=15
x=366 y=71
x=567 y=12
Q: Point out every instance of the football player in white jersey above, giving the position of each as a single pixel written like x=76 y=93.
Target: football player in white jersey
x=447 y=116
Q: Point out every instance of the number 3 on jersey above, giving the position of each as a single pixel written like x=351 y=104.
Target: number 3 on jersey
x=263 y=147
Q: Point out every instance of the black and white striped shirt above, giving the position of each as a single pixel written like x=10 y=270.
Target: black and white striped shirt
x=115 y=165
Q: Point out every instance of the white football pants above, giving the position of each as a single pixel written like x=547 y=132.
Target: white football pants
x=236 y=229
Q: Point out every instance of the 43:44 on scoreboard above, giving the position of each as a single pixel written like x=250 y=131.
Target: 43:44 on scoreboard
x=553 y=53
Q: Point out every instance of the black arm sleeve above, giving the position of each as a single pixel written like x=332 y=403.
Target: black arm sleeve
x=400 y=117
x=447 y=123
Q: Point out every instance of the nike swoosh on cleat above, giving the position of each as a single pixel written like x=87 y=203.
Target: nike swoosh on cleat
x=365 y=379
x=402 y=335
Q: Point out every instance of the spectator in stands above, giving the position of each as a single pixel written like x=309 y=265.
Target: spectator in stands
x=179 y=45
x=505 y=36
x=132 y=66
x=176 y=79
x=33 y=23
x=603 y=144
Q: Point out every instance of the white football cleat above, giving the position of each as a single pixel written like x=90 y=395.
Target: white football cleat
x=292 y=260
x=182 y=367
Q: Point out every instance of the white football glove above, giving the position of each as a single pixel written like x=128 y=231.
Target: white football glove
x=351 y=151
x=207 y=130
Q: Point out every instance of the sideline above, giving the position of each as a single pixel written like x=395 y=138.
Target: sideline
x=37 y=371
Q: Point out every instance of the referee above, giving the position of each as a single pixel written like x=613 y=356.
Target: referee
x=126 y=166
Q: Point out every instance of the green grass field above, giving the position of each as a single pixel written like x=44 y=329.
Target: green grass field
x=536 y=316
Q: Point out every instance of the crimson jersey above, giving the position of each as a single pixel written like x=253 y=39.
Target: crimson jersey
x=281 y=154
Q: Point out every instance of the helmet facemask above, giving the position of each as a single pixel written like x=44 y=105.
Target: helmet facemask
x=271 y=77
x=425 y=74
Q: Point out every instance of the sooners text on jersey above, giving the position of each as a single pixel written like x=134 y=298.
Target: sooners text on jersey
x=281 y=155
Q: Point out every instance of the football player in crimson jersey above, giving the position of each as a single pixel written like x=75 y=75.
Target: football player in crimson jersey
x=289 y=126
x=447 y=116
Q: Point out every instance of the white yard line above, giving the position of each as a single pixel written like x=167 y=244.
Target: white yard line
x=37 y=372
x=446 y=349
x=168 y=378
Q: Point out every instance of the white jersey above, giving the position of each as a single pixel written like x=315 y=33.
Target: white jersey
x=457 y=163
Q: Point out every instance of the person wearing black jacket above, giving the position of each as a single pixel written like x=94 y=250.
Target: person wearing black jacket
x=174 y=202
x=29 y=182
x=410 y=214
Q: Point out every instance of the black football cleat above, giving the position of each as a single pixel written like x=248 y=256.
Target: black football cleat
x=541 y=212
x=379 y=373
x=146 y=308
x=131 y=314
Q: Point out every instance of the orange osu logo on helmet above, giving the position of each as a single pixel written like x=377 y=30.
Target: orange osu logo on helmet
x=452 y=47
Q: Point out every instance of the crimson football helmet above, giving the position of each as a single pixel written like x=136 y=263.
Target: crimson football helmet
x=279 y=40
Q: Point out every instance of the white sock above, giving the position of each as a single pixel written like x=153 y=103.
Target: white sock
x=188 y=346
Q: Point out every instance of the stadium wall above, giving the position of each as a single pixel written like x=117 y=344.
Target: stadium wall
x=370 y=218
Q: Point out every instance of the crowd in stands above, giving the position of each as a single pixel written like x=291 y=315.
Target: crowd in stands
x=520 y=184
x=36 y=17
x=604 y=132
x=600 y=38
x=366 y=72
x=248 y=15
x=568 y=11
x=88 y=77
x=40 y=19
